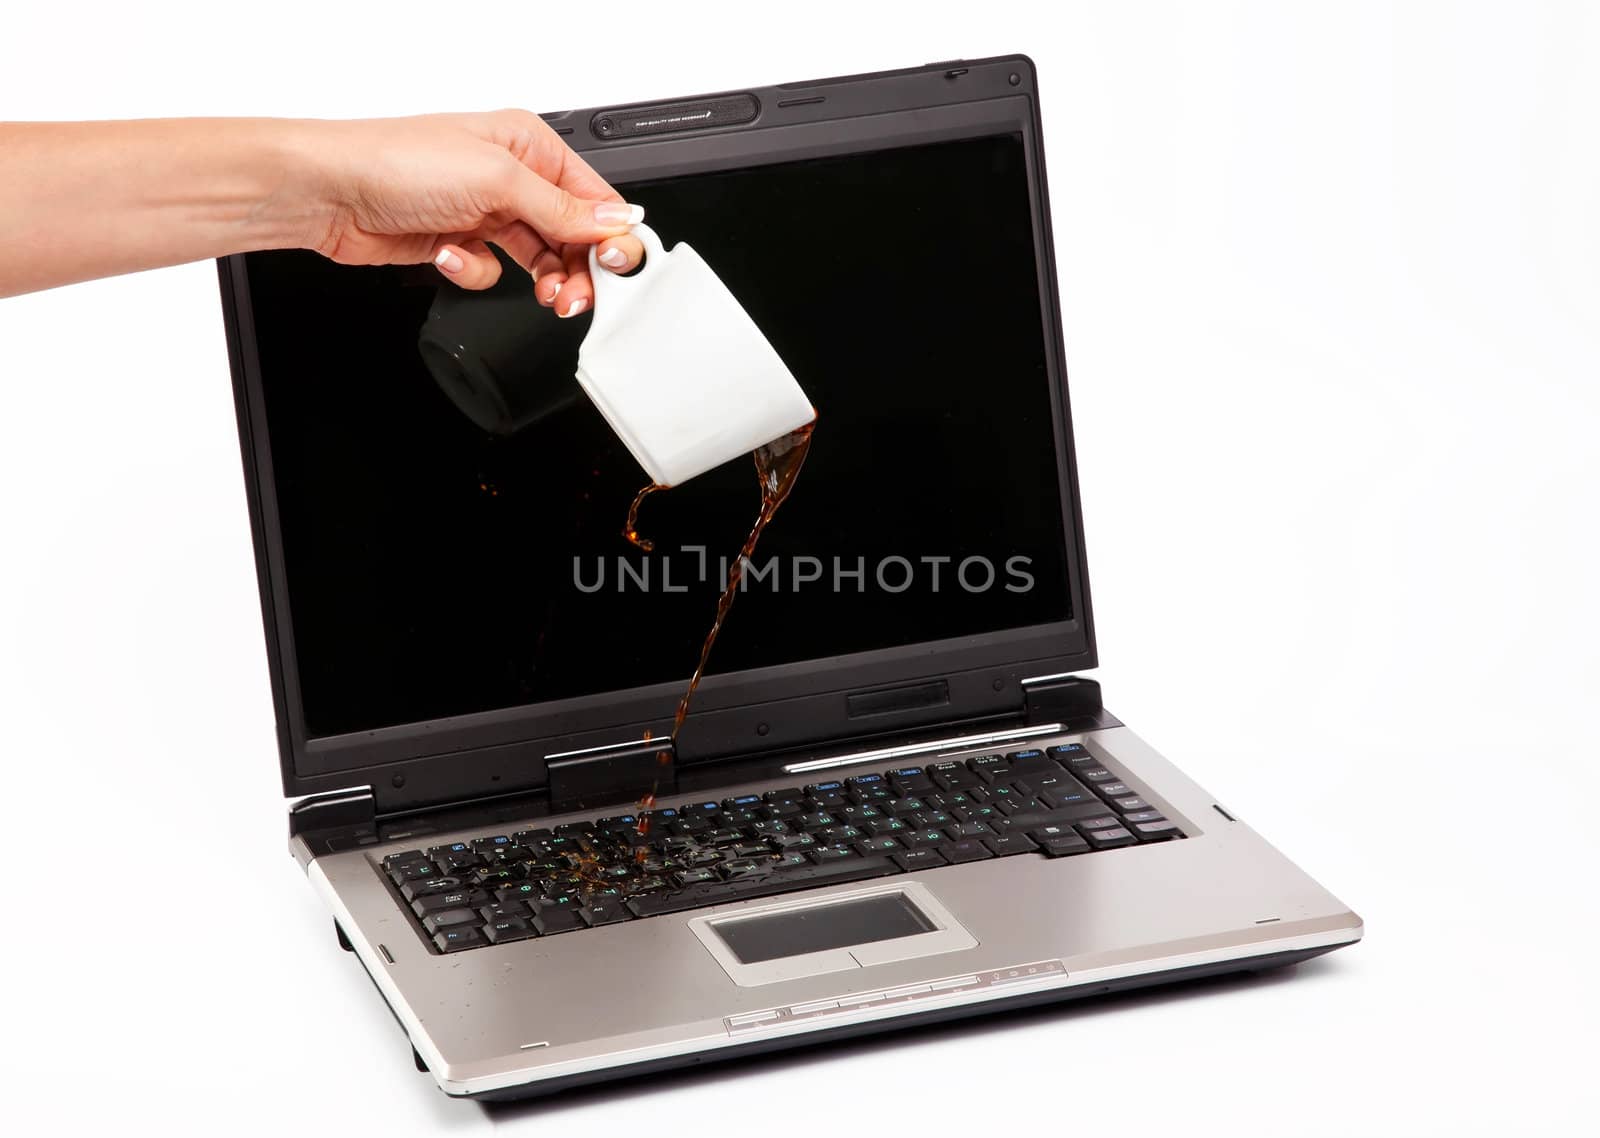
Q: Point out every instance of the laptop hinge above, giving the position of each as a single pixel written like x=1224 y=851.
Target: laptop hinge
x=1060 y=699
x=602 y=776
x=328 y=823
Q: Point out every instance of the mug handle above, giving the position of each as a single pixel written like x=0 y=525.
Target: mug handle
x=610 y=290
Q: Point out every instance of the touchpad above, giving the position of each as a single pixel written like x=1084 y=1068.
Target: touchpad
x=789 y=940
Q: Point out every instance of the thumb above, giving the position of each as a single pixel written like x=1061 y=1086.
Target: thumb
x=562 y=218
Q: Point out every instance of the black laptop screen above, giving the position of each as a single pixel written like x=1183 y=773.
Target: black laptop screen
x=435 y=568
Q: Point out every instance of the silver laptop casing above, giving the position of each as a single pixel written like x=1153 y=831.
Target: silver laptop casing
x=574 y=1007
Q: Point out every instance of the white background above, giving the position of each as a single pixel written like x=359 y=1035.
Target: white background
x=1331 y=276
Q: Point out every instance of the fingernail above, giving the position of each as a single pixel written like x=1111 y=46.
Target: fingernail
x=577 y=306
x=449 y=262
x=555 y=291
x=613 y=258
x=616 y=213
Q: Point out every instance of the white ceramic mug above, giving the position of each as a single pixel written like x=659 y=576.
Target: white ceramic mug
x=678 y=368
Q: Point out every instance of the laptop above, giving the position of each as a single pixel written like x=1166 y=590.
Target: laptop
x=895 y=799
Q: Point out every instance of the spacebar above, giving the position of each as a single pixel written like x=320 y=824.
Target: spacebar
x=783 y=881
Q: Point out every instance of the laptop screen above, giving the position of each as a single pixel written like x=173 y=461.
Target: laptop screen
x=435 y=568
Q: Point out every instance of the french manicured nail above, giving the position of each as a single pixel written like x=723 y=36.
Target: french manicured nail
x=449 y=261
x=555 y=290
x=616 y=213
x=613 y=258
x=577 y=306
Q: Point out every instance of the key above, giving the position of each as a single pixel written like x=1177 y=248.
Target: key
x=447 y=918
x=929 y=819
x=1064 y=846
x=913 y=860
x=1130 y=804
x=414 y=871
x=1066 y=752
x=533 y=838
x=1109 y=839
x=457 y=938
x=920 y=839
x=573 y=830
x=878 y=827
x=618 y=822
x=496 y=876
x=1156 y=831
x=968 y=830
x=1057 y=797
x=1103 y=822
x=790 y=860
x=901 y=807
x=987 y=766
x=1096 y=774
x=838 y=835
x=507 y=930
x=787 y=810
x=1031 y=758
x=693 y=876
x=486 y=845
x=742 y=802
x=557 y=919
x=523 y=891
x=787 y=794
x=744 y=867
x=453 y=848
x=503 y=910
x=403 y=858
x=791 y=843
x=1028 y=819
x=853 y=815
x=967 y=849
x=1112 y=789
x=1048 y=833
x=723 y=836
x=427 y=886
x=830 y=873
x=874 y=846
x=1144 y=816
x=1004 y=845
x=949 y=775
x=458 y=863
x=814 y=821
x=748 y=850
x=605 y=911
x=455 y=899
x=768 y=829
x=910 y=779
x=817 y=788
x=823 y=854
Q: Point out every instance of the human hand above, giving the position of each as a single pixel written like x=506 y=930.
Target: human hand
x=437 y=188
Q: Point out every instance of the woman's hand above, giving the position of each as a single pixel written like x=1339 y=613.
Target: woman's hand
x=438 y=187
x=84 y=200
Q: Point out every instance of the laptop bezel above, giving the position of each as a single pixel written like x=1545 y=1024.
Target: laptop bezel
x=775 y=708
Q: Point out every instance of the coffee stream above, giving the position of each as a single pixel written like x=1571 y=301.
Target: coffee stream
x=777 y=466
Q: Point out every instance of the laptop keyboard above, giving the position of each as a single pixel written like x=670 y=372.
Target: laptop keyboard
x=1057 y=802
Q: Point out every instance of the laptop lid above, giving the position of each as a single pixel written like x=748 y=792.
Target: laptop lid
x=446 y=592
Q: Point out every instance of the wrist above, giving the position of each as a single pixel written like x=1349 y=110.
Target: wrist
x=300 y=201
